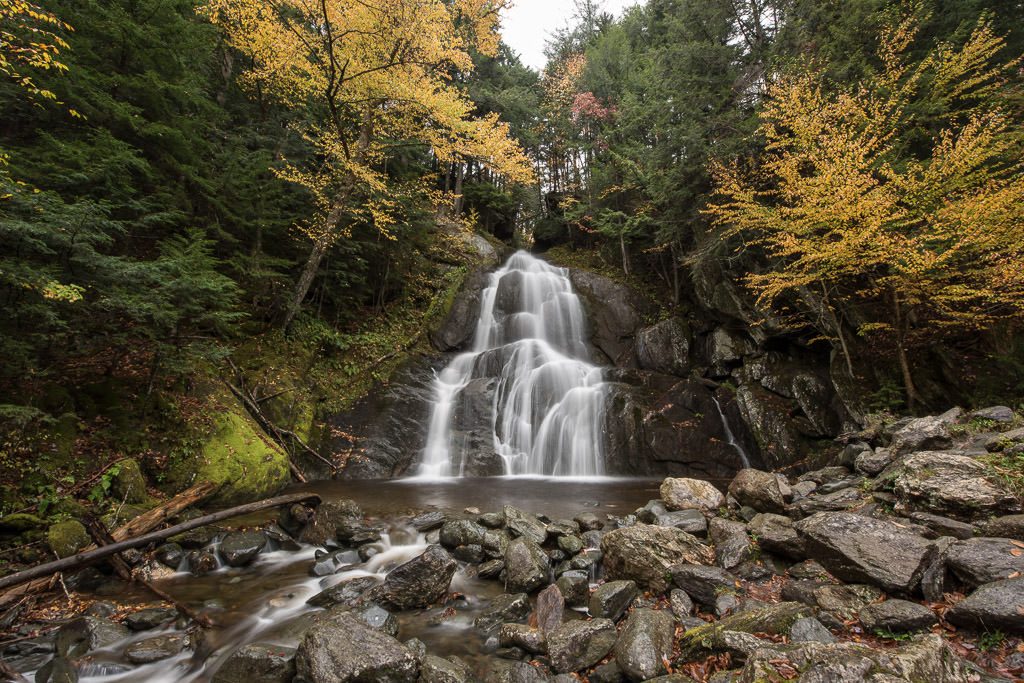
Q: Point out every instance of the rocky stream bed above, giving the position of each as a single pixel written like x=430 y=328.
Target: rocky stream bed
x=905 y=562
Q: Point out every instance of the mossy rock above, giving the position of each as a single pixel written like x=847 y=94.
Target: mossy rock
x=20 y=522
x=775 y=619
x=123 y=514
x=129 y=485
x=236 y=457
x=68 y=507
x=67 y=538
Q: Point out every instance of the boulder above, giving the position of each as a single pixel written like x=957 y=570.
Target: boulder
x=810 y=630
x=504 y=608
x=704 y=584
x=258 y=663
x=155 y=649
x=861 y=549
x=322 y=528
x=574 y=585
x=776 y=534
x=241 y=547
x=665 y=347
x=523 y=636
x=524 y=524
x=145 y=619
x=947 y=484
x=1007 y=526
x=67 y=538
x=170 y=555
x=458 y=532
x=874 y=461
x=997 y=605
x=589 y=521
x=129 y=485
x=943 y=526
x=550 y=607
x=1001 y=414
x=202 y=562
x=379 y=619
x=897 y=616
x=526 y=566
x=690 y=494
x=924 y=433
x=85 y=634
x=645 y=553
x=681 y=603
x=844 y=499
x=421 y=581
x=691 y=521
x=846 y=600
x=577 y=645
x=348 y=593
x=983 y=560
x=344 y=649
x=762 y=491
x=774 y=619
x=732 y=544
x=645 y=644
x=612 y=599
x=429 y=521
x=434 y=669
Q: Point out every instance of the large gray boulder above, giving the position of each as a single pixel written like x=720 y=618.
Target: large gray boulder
x=645 y=644
x=924 y=433
x=983 y=560
x=526 y=566
x=763 y=491
x=861 y=549
x=345 y=650
x=690 y=494
x=526 y=524
x=421 y=581
x=897 y=616
x=241 y=547
x=577 y=645
x=258 y=663
x=437 y=670
x=328 y=517
x=776 y=534
x=665 y=347
x=645 y=553
x=998 y=605
x=702 y=583
x=85 y=634
x=947 y=484
x=612 y=599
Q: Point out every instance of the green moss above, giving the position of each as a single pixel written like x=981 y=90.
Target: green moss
x=19 y=522
x=67 y=538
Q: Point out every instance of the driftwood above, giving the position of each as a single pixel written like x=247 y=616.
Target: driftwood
x=139 y=525
x=93 y=555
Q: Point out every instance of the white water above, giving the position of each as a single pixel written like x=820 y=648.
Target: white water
x=548 y=401
x=730 y=438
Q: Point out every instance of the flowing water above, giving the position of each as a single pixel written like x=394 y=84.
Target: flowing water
x=266 y=602
x=548 y=399
x=730 y=438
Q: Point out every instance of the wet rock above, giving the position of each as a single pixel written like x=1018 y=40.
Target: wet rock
x=857 y=548
x=826 y=475
x=526 y=566
x=563 y=527
x=491 y=569
x=524 y=524
x=514 y=672
x=775 y=619
x=550 y=607
x=202 y=562
x=776 y=534
x=349 y=593
x=845 y=601
x=575 y=587
x=86 y=634
x=615 y=313
x=924 y=433
x=943 y=526
x=609 y=672
x=589 y=521
x=682 y=605
x=897 y=616
x=322 y=528
x=495 y=543
x=645 y=644
x=873 y=462
x=763 y=491
x=258 y=663
x=802 y=489
x=645 y=553
x=690 y=494
x=420 y=582
x=810 y=630
x=1007 y=526
x=1002 y=414
x=294 y=517
x=947 y=484
x=703 y=584
x=523 y=636
x=152 y=617
x=429 y=520
x=997 y=605
x=732 y=544
x=327 y=563
x=611 y=600
x=504 y=608
x=570 y=544
x=170 y=555
x=474 y=554
x=434 y=669
x=577 y=645
x=983 y=560
x=844 y=499
x=690 y=521
x=241 y=547
x=67 y=538
x=456 y=532
x=155 y=649
x=492 y=520
x=355 y=532
x=57 y=670
x=665 y=347
x=379 y=619
x=344 y=649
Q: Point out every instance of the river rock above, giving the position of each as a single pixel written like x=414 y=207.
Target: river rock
x=732 y=544
x=924 y=433
x=154 y=649
x=57 y=670
x=344 y=649
x=681 y=604
x=773 y=619
x=504 y=671
x=170 y=555
x=458 y=532
x=524 y=524
x=860 y=549
x=86 y=634
x=645 y=644
x=947 y=484
x=691 y=521
x=577 y=645
x=550 y=607
x=1007 y=526
x=322 y=528
x=874 y=461
x=645 y=553
x=575 y=587
x=434 y=669
x=349 y=593
x=763 y=491
x=504 y=608
x=589 y=521
x=152 y=617
x=983 y=560
x=665 y=347
x=845 y=601
x=241 y=547
x=810 y=630
x=690 y=494
x=611 y=600
x=943 y=526
x=897 y=616
x=523 y=636
x=844 y=499
x=491 y=569
x=1002 y=414
x=526 y=566
x=258 y=663
x=428 y=521
x=703 y=584
x=420 y=582
x=997 y=605
x=776 y=534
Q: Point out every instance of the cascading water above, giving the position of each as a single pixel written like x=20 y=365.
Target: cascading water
x=548 y=402
x=729 y=437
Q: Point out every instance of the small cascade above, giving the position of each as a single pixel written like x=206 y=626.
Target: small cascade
x=730 y=438
x=548 y=399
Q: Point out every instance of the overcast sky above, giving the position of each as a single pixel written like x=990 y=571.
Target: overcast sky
x=529 y=23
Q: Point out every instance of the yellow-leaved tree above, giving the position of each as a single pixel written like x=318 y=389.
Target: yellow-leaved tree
x=900 y=199
x=30 y=38
x=369 y=77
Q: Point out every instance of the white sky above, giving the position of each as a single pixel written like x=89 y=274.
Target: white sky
x=529 y=23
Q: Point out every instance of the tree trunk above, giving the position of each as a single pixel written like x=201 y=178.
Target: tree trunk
x=625 y=255
x=316 y=255
x=913 y=398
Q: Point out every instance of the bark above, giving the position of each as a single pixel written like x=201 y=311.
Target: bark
x=899 y=321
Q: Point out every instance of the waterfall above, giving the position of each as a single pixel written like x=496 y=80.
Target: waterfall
x=548 y=399
x=729 y=437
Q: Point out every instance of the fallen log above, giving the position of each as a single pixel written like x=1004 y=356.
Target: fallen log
x=88 y=557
